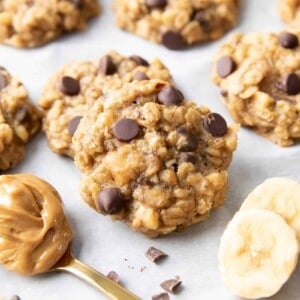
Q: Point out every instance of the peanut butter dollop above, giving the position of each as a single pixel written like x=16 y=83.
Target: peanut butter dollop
x=34 y=231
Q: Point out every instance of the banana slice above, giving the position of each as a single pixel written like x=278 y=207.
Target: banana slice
x=280 y=195
x=257 y=254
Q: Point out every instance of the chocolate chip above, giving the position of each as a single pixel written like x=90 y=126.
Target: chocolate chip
x=73 y=125
x=190 y=143
x=107 y=66
x=288 y=40
x=291 y=84
x=126 y=130
x=69 y=86
x=112 y=275
x=3 y=81
x=22 y=114
x=77 y=3
x=156 y=3
x=187 y=157
x=224 y=93
x=15 y=297
x=173 y=40
x=111 y=201
x=140 y=76
x=139 y=60
x=171 y=285
x=162 y=296
x=155 y=254
x=225 y=66
x=201 y=17
x=215 y=124
x=170 y=96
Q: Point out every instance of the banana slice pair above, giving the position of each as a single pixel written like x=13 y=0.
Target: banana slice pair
x=259 y=248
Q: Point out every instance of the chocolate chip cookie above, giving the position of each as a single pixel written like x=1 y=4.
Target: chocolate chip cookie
x=289 y=11
x=259 y=77
x=176 y=23
x=19 y=120
x=153 y=159
x=70 y=92
x=27 y=23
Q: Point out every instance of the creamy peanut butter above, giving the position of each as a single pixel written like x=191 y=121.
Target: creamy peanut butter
x=34 y=231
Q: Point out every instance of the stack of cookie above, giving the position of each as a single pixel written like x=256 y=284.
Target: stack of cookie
x=150 y=157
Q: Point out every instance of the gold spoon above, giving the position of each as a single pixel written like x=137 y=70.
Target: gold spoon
x=69 y=263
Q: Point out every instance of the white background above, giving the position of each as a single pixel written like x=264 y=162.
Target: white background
x=103 y=244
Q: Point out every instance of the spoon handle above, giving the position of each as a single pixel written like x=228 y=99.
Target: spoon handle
x=108 y=287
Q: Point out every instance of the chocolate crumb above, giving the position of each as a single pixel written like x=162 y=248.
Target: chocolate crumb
x=112 y=275
x=162 y=296
x=155 y=254
x=171 y=285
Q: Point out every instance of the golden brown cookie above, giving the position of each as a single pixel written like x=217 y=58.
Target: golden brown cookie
x=176 y=23
x=70 y=92
x=19 y=120
x=259 y=77
x=27 y=23
x=153 y=159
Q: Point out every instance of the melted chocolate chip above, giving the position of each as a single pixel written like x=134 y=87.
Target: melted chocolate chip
x=156 y=3
x=225 y=66
x=3 y=81
x=138 y=75
x=77 y=3
x=191 y=142
x=22 y=114
x=187 y=157
x=126 y=130
x=69 y=86
x=170 y=96
x=288 y=40
x=215 y=124
x=139 y=60
x=173 y=40
x=111 y=201
x=107 y=66
x=291 y=84
x=201 y=17
x=73 y=125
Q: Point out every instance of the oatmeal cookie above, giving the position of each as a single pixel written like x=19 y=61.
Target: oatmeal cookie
x=71 y=91
x=289 y=11
x=176 y=23
x=19 y=120
x=259 y=76
x=153 y=159
x=27 y=23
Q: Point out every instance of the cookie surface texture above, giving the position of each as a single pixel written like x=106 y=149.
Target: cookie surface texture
x=153 y=159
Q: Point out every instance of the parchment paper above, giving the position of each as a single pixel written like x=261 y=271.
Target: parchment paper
x=105 y=245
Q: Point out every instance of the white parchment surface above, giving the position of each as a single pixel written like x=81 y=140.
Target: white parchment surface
x=112 y=246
